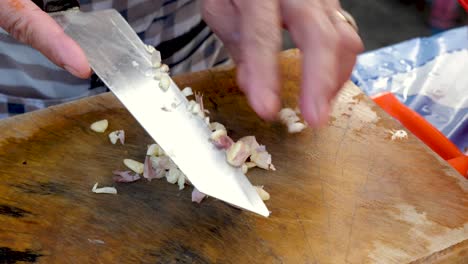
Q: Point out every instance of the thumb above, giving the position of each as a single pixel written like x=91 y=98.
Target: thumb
x=30 y=25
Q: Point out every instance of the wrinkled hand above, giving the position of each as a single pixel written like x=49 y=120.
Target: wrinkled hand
x=251 y=31
x=30 y=25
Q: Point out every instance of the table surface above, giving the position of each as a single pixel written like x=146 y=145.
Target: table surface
x=345 y=193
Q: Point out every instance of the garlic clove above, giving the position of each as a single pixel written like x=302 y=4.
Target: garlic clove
x=237 y=154
x=134 y=165
x=262 y=193
x=100 y=126
x=244 y=168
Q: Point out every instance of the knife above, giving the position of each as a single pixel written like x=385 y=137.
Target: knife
x=121 y=60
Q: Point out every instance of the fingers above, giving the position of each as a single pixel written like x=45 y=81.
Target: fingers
x=223 y=18
x=329 y=52
x=315 y=35
x=30 y=25
x=260 y=43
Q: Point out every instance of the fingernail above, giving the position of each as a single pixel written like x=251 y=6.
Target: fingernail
x=265 y=105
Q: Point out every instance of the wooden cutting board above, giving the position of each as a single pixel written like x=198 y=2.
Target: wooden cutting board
x=345 y=193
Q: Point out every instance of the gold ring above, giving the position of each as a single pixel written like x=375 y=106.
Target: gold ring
x=348 y=18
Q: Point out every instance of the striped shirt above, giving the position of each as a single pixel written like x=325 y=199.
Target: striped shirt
x=28 y=81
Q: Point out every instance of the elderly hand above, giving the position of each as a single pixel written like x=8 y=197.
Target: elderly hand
x=251 y=31
x=30 y=25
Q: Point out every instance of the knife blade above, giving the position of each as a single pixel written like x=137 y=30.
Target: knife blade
x=122 y=62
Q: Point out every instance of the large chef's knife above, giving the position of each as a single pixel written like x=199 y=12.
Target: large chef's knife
x=123 y=63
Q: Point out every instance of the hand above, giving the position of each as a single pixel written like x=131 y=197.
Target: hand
x=30 y=25
x=251 y=31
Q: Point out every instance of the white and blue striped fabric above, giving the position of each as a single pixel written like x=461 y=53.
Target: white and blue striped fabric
x=28 y=81
x=430 y=75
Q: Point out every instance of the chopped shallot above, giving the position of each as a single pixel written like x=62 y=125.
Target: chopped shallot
x=289 y=117
x=110 y=190
x=197 y=196
x=217 y=126
x=156 y=59
x=296 y=127
x=117 y=135
x=237 y=153
x=181 y=181
x=173 y=175
x=157 y=75
x=125 y=176
x=100 y=126
x=251 y=165
x=148 y=171
x=162 y=162
x=154 y=150
x=187 y=91
x=251 y=141
x=134 y=165
x=150 y=49
x=244 y=168
x=165 y=82
x=262 y=158
x=164 y=68
x=220 y=139
x=262 y=193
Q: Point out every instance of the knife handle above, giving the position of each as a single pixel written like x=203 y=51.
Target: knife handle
x=51 y=6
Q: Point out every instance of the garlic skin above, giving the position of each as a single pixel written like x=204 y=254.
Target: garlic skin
x=100 y=126
x=134 y=165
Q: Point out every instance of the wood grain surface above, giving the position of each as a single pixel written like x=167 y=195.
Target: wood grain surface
x=345 y=193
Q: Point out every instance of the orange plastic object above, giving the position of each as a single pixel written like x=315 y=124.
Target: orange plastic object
x=424 y=131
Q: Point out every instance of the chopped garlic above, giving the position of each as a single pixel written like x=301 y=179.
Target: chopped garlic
x=262 y=158
x=187 y=91
x=251 y=165
x=117 y=135
x=237 y=153
x=165 y=82
x=296 y=127
x=196 y=109
x=154 y=150
x=134 y=165
x=172 y=176
x=262 y=193
x=157 y=75
x=150 y=49
x=181 y=181
x=217 y=126
x=156 y=59
x=398 y=134
x=244 y=168
x=100 y=126
x=164 y=68
x=217 y=134
x=110 y=190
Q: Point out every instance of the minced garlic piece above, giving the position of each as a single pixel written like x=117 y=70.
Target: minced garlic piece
x=134 y=165
x=100 y=126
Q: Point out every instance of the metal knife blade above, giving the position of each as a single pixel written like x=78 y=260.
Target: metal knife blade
x=120 y=59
